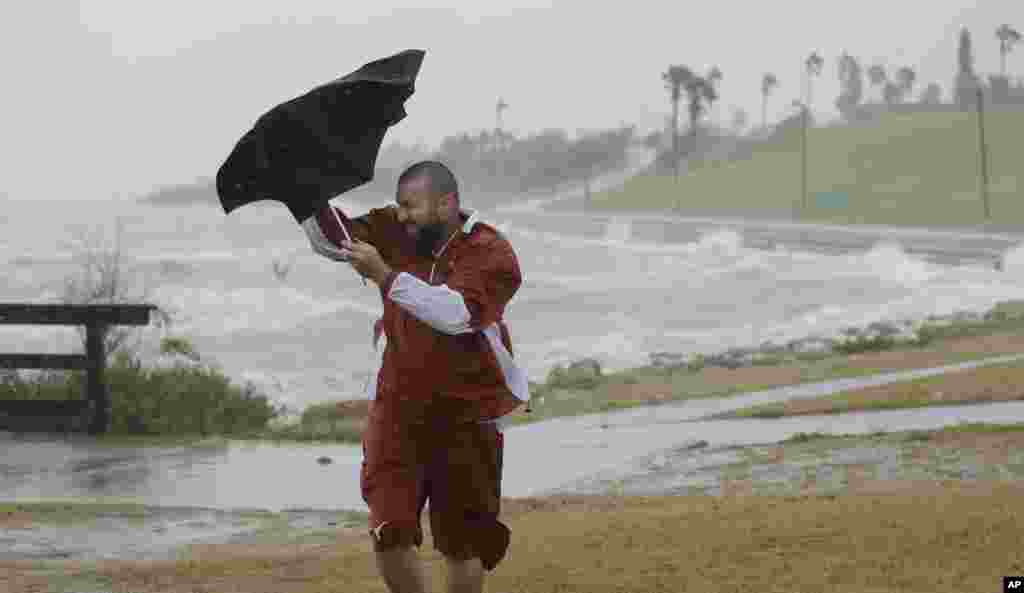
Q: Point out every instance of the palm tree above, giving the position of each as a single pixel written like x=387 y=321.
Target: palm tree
x=851 y=82
x=877 y=76
x=906 y=78
x=676 y=77
x=812 y=65
x=768 y=84
x=932 y=94
x=713 y=78
x=892 y=92
x=701 y=93
x=1007 y=36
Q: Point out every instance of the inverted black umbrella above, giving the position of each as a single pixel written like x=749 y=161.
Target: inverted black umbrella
x=319 y=145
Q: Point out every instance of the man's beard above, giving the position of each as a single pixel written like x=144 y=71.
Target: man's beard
x=428 y=237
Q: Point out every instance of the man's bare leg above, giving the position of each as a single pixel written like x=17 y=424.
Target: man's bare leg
x=465 y=576
x=402 y=570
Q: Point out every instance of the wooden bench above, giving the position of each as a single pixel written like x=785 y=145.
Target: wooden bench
x=96 y=319
x=41 y=415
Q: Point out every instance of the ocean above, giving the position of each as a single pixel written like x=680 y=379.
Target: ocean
x=590 y=289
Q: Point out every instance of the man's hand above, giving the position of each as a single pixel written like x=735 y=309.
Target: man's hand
x=321 y=244
x=366 y=260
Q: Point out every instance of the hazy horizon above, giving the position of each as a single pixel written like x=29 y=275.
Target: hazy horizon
x=117 y=100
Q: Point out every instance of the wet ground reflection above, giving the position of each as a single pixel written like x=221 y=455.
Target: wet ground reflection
x=539 y=458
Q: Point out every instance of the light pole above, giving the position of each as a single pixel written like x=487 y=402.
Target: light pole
x=983 y=150
x=803 y=157
x=501 y=106
x=499 y=136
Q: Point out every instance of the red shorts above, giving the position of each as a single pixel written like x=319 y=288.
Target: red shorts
x=410 y=458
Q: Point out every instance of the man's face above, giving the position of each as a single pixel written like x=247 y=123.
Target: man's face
x=420 y=211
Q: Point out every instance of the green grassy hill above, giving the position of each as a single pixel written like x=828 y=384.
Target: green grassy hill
x=916 y=169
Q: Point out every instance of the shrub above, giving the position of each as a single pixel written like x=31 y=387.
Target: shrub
x=1006 y=310
x=173 y=401
x=560 y=377
x=871 y=344
x=768 y=411
x=803 y=437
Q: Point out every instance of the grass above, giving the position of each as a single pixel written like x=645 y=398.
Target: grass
x=999 y=321
x=914 y=169
x=171 y=440
x=914 y=435
x=694 y=385
x=984 y=427
x=804 y=437
x=858 y=543
x=997 y=382
x=649 y=385
x=66 y=513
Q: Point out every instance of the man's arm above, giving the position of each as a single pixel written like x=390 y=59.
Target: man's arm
x=474 y=296
x=326 y=233
x=361 y=227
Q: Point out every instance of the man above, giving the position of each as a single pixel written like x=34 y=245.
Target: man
x=447 y=381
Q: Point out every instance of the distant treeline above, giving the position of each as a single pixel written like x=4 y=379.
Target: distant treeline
x=501 y=163
x=486 y=163
x=201 y=191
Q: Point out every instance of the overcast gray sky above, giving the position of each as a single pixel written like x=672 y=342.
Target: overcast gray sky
x=110 y=97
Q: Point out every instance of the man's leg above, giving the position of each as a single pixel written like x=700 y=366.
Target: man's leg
x=393 y=486
x=402 y=570
x=465 y=576
x=465 y=501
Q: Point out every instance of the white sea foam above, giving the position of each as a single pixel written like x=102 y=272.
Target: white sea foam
x=614 y=298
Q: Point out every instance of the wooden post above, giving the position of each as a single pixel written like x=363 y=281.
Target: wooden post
x=97 y=319
x=95 y=389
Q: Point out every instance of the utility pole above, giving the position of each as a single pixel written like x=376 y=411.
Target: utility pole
x=501 y=106
x=803 y=160
x=812 y=67
x=499 y=137
x=801 y=203
x=983 y=151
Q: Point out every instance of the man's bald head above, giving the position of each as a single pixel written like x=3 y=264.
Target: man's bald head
x=439 y=180
x=428 y=204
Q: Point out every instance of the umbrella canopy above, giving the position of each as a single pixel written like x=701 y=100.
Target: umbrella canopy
x=314 y=147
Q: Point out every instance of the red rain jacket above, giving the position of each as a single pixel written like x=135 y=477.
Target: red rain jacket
x=422 y=363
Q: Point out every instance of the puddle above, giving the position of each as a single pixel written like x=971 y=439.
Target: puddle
x=162 y=532
x=225 y=476
x=235 y=474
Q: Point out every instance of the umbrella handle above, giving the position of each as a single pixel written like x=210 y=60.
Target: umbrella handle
x=344 y=230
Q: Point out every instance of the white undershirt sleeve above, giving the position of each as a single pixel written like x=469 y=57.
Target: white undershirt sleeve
x=438 y=306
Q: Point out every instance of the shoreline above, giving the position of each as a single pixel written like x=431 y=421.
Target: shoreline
x=577 y=205
x=672 y=377
x=845 y=354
